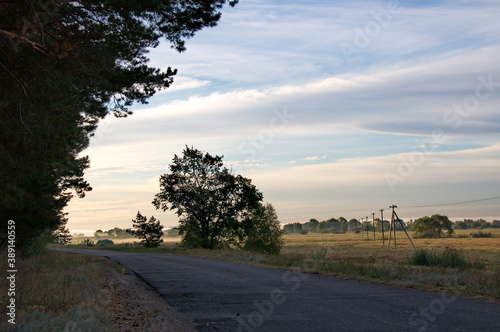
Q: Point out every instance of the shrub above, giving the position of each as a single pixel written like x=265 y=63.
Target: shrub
x=481 y=234
x=262 y=230
x=449 y=258
x=105 y=242
x=88 y=242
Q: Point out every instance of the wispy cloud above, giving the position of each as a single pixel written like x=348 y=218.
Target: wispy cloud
x=353 y=121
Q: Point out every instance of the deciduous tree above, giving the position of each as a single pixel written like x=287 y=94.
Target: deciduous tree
x=210 y=201
x=436 y=226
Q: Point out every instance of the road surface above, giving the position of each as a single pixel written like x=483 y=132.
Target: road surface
x=225 y=296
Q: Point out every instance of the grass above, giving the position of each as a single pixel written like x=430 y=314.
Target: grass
x=449 y=258
x=58 y=292
x=466 y=266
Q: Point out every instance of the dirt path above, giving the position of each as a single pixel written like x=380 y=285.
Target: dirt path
x=135 y=306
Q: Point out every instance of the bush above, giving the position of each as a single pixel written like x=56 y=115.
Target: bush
x=36 y=246
x=105 y=242
x=88 y=242
x=449 y=258
x=481 y=234
x=263 y=231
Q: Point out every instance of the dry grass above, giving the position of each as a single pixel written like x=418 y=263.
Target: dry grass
x=58 y=292
x=353 y=248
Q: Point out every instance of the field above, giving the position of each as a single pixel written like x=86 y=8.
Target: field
x=354 y=248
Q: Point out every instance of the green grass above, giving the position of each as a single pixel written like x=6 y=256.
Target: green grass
x=449 y=258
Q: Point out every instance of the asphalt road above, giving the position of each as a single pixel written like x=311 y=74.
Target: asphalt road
x=224 y=296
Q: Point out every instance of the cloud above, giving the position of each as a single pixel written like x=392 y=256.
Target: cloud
x=351 y=120
x=183 y=83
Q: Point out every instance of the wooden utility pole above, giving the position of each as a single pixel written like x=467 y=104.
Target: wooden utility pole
x=373 y=221
x=367 y=222
x=393 y=227
x=395 y=218
x=404 y=229
x=382 y=221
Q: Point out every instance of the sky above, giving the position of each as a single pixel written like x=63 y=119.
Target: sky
x=332 y=108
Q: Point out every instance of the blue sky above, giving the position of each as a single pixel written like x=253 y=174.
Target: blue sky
x=332 y=108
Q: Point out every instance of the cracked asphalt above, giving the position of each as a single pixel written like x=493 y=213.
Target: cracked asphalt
x=225 y=296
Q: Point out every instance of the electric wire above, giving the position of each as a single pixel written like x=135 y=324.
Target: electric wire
x=456 y=203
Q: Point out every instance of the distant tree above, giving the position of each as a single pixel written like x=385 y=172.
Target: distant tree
x=436 y=226
x=292 y=228
x=208 y=198
x=353 y=225
x=297 y=227
x=289 y=229
x=262 y=231
x=98 y=233
x=149 y=231
x=312 y=226
x=117 y=232
x=344 y=226
x=484 y=224
x=459 y=225
x=173 y=232
x=495 y=224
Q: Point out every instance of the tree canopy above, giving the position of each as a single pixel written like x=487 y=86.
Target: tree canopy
x=435 y=226
x=65 y=65
x=210 y=201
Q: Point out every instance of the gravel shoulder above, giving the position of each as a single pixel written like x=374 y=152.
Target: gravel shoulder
x=135 y=306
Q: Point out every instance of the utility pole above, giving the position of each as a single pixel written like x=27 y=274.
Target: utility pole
x=382 y=221
x=373 y=219
x=367 y=227
x=395 y=218
x=404 y=229
x=393 y=227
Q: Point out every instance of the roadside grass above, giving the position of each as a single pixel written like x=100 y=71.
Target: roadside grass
x=58 y=291
x=466 y=266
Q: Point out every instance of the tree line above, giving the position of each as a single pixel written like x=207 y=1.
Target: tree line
x=342 y=225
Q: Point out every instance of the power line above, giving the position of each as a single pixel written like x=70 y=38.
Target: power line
x=456 y=203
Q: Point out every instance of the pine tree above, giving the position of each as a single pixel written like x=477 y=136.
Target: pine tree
x=149 y=231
